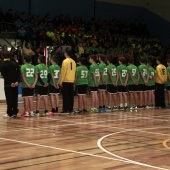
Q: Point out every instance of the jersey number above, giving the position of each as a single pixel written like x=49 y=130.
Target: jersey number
x=29 y=72
x=56 y=74
x=97 y=72
x=114 y=72
x=133 y=72
x=84 y=74
x=105 y=72
x=43 y=74
x=124 y=73
x=144 y=72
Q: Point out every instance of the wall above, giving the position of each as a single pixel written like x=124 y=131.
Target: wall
x=54 y=7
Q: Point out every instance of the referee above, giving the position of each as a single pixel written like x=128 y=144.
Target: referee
x=68 y=70
x=11 y=73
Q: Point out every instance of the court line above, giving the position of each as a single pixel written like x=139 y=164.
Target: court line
x=67 y=150
x=165 y=143
x=99 y=143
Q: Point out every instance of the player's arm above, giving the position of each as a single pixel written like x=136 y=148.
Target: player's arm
x=35 y=80
x=94 y=79
x=110 y=76
x=127 y=76
x=63 y=72
x=25 y=81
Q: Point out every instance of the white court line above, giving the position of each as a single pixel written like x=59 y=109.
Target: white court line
x=67 y=150
x=99 y=143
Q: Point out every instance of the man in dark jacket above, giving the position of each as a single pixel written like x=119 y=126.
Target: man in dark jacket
x=10 y=71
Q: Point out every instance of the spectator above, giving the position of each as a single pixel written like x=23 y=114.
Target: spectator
x=27 y=51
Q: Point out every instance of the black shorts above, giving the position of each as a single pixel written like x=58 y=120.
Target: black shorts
x=82 y=89
x=168 y=88
x=42 y=91
x=53 y=90
x=102 y=87
x=93 y=89
x=27 y=92
x=111 y=89
x=132 y=88
x=151 y=88
x=142 y=88
x=122 y=89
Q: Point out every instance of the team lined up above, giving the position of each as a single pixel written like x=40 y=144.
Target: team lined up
x=141 y=83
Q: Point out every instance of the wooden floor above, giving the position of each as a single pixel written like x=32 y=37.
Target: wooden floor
x=121 y=140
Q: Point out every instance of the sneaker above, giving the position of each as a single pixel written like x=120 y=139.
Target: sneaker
x=100 y=110
x=46 y=113
x=132 y=107
x=115 y=108
x=148 y=107
x=26 y=114
x=84 y=110
x=37 y=113
x=140 y=107
x=78 y=111
x=120 y=108
x=32 y=114
x=92 y=110
x=135 y=107
x=7 y=116
x=108 y=109
x=14 y=116
x=126 y=108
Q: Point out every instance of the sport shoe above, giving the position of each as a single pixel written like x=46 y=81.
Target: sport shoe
x=92 y=110
x=37 y=113
x=7 y=116
x=126 y=107
x=32 y=114
x=108 y=109
x=26 y=114
x=100 y=110
x=115 y=108
x=46 y=113
x=120 y=108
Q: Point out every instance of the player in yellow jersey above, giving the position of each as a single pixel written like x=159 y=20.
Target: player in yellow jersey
x=160 y=80
x=68 y=71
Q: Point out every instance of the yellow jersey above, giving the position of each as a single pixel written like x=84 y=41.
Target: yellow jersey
x=161 y=74
x=68 y=70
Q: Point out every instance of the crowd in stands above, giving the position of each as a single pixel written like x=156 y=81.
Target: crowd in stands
x=85 y=37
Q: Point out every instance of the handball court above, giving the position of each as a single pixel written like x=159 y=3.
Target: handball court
x=120 y=140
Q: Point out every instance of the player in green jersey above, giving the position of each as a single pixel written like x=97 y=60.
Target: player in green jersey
x=29 y=79
x=133 y=83
x=93 y=82
x=112 y=80
x=143 y=83
x=122 y=82
x=151 y=86
x=54 y=71
x=81 y=81
x=42 y=85
x=102 y=84
x=168 y=81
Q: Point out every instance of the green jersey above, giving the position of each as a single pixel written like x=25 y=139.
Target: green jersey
x=54 y=71
x=42 y=70
x=151 y=72
x=168 y=73
x=94 y=69
x=29 y=71
x=133 y=70
x=82 y=75
x=113 y=71
x=103 y=70
x=143 y=70
x=123 y=73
